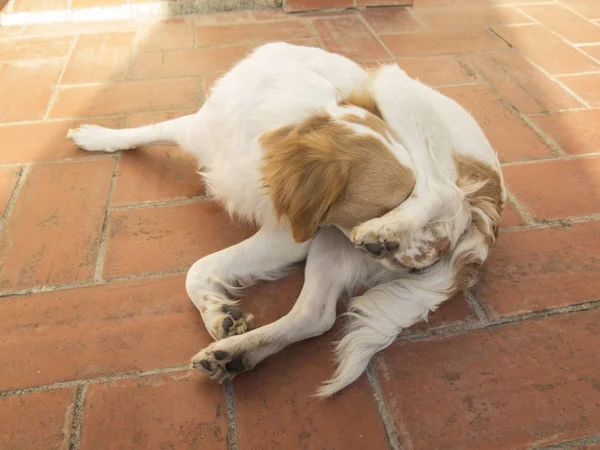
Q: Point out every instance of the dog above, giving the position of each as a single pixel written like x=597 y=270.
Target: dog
x=377 y=181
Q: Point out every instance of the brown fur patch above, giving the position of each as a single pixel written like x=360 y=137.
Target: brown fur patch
x=322 y=172
x=486 y=205
x=363 y=99
x=487 y=199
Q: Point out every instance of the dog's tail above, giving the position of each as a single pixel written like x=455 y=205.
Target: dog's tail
x=375 y=319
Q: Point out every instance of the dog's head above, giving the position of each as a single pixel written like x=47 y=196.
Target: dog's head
x=341 y=167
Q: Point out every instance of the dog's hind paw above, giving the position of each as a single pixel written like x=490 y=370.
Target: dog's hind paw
x=94 y=138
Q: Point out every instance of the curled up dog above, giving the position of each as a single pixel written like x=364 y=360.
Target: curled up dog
x=379 y=182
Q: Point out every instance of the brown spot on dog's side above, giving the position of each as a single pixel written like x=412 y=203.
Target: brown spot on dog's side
x=203 y=309
x=323 y=172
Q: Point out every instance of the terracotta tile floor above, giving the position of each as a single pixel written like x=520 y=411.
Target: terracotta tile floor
x=96 y=330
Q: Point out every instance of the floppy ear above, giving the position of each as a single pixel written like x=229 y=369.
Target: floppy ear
x=303 y=179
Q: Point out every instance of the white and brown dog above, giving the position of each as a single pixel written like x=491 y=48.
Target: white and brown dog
x=377 y=180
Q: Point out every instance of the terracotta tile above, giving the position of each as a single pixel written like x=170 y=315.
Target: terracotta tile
x=546 y=49
x=38 y=5
x=538 y=269
x=208 y=82
x=8 y=180
x=12 y=31
x=563 y=21
x=592 y=50
x=156 y=173
x=26 y=88
x=314 y=5
x=586 y=86
x=36 y=420
x=526 y=88
x=348 y=36
x=271 y=300
x=180 y=63
x=574 y=131
x=443 y=42
x=471 y=17
x=510 y=136
x=369 y=3
x=40 y=141
x=511 y=217
x=38 y=47
x=561 y=188
x=170 y=34
x=99 y=58
x=453 y=311
x=97 y=27
x=590 y=9
x=167 y=237
x=274 y=407
x=391 y=20
x=436 y=70
x=182 y=411
x=93 y=3
x=511 y=386
x=130 y=97
x=53 y=232
x=222 y=18
x=100 y=330
x=252 y=32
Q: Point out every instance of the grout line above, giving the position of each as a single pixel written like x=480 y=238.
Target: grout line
x=545 y=137
x=13 y=198
x=376 y=36
x=551 y=77
x=559 y=36
x=452 y=330
x=384 y=414
x=104 y=233
x=77 y=417
x=309 y=24
x=97 y=157
x=417 y=17
x=558 y=111
x=84 y=284
x=56 y=88
x=476 y=306
x=152 y=204
x=564 y=222
x=565 y=157
x=575 y=444
x=232 y=440
x=521 y=209
x=104 y=379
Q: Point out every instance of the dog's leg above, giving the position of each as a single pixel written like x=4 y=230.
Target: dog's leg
x=213 y=279
x=94 y=138
x=332 y=266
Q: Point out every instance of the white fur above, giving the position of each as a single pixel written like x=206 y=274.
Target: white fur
x=278 y=85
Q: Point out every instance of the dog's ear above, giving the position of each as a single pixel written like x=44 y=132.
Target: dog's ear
x=302 y=174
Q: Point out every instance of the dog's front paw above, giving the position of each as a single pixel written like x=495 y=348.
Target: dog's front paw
x=378 y=235
x=219 y=365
